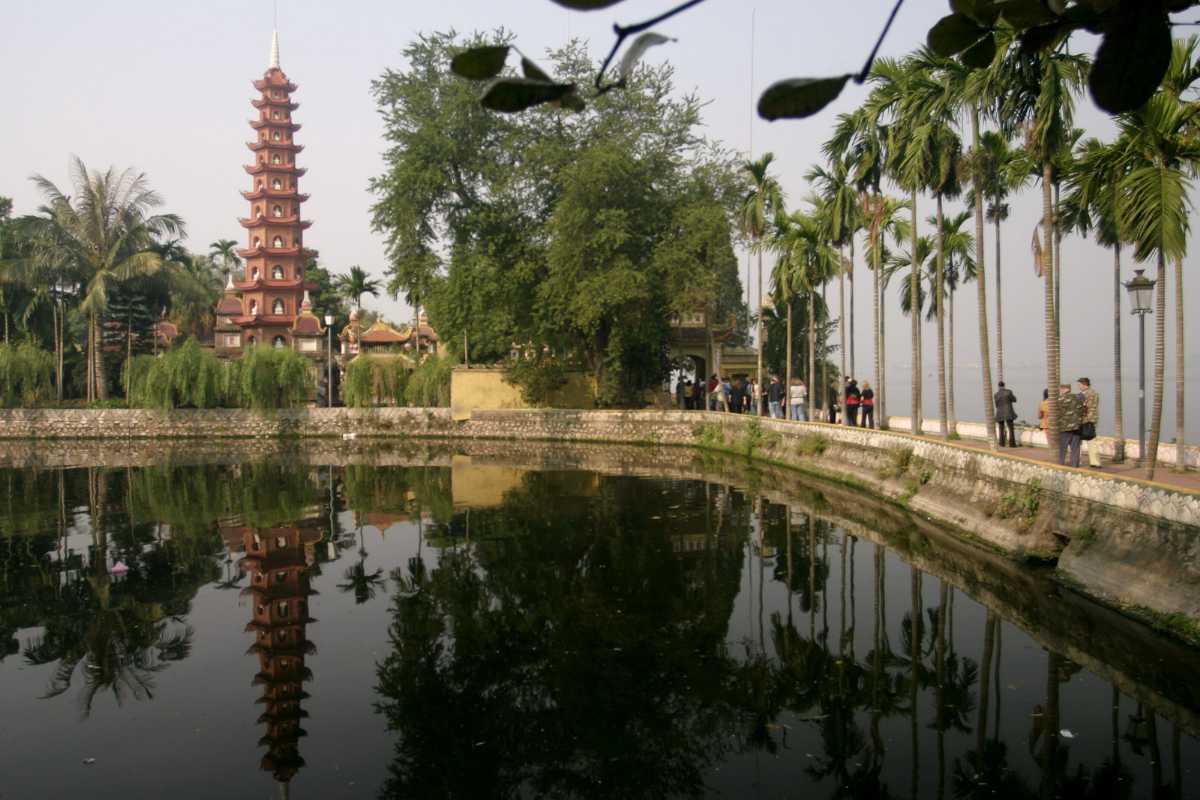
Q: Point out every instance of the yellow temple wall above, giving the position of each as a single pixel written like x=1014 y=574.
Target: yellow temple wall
x=484 y=387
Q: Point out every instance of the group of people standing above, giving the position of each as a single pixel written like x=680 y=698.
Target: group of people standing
x=1078 y=415
x=741 y=396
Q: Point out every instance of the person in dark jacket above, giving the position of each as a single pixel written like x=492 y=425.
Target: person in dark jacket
x=853 y=396
x=1006 y=415
x=831 y=402
x=867 y=407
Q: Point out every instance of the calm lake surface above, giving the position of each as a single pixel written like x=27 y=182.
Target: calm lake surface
x=478 y=629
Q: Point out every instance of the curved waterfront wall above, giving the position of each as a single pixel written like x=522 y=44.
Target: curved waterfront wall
x=1133 y=544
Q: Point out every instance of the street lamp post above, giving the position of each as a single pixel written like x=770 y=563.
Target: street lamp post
x=329 y=360
x=1140 y=289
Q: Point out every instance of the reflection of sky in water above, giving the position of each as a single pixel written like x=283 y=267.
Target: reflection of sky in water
x=198 y=736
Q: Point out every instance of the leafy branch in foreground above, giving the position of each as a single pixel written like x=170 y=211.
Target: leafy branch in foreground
x=1129 y=65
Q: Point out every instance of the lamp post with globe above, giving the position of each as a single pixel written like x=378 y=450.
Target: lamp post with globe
x=1140 y=290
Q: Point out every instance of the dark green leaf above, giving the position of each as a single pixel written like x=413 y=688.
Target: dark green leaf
x=983 y=12
x=1044 y=37
x=480 y=63
x=1131 y=60
x=980 y=54
x=532 y=70
x=517 y=94
x=796 y=98
x=1025 y=14
x=952 y=34
x=572 y=102
x=587 y=5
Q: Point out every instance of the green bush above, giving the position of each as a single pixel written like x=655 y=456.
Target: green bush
x=268 y=377
x=26 y=375
x=429 y=384
x=375 y=381
x=187 y=376
x=537 y=380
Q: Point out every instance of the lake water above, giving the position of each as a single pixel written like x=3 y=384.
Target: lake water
x=478 y=628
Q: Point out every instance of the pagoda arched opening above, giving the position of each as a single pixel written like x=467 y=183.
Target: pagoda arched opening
x=277 y=308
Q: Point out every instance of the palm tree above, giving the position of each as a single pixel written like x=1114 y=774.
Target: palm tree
x=860 y=139
x=102 y=236
x=224 y=252
x=1093 y=202
x=762 y=201
x=840 y=198
x=958 y=249
x=1183 y=72
x=785 y=278
x=1040 y=101
x=1158 y=143
x=1001 y=172
x=814 y=262
x=911 y=166
x=354 y=284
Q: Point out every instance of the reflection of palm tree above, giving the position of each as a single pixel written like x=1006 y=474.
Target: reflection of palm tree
x=364 y=584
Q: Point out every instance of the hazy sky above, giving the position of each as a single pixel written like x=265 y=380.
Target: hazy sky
x=165 y=87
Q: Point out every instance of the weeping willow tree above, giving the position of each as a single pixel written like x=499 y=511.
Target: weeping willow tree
x=376 y=381
x=26 y=375
x=186 y=377
x=429 y=384
x=268 y=377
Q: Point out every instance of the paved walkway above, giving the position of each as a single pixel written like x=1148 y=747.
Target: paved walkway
x=1189 y=481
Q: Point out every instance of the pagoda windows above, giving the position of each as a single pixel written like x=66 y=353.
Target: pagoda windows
x=277 y=210
x=277 y=272
x=255 y=243
x=276 y=184
x=277 y=242
x=275 y=136
x=275 y=159
x=277 y=308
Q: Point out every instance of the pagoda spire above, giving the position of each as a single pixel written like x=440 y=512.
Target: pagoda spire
x=274 y=63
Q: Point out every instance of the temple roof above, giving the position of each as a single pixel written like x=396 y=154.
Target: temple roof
x=273 y=63
x=382 y=333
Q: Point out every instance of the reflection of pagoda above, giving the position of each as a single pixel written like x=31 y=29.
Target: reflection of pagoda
x=277 y=562
x=270 y=305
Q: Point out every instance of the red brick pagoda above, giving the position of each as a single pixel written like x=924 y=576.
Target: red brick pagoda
x=270 y=304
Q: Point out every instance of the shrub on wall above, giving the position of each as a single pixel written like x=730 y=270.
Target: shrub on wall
x=26 y=375
x=375 y=381
x=187 y=376
x=429 y=383
x=537 y=380
x=268 y=377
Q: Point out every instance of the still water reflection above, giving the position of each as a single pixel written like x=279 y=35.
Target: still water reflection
x=492 y=631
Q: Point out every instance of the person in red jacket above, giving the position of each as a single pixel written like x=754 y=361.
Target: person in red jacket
x=853 y=395
x=867 y=407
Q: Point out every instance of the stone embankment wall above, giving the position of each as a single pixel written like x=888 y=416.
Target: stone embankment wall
x=1033 y=437
x=1131 y=543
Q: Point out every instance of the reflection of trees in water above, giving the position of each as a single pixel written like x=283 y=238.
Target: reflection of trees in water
x=569 y=649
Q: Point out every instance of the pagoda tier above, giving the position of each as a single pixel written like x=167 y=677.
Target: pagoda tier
x=283 y=194
x=275 y=123
x=286 y=169
x=304 y=224
x=276 y=252
x=274 y=283
x=261 y=145
x=264 y=85
x=274 y=103
x=266 y=320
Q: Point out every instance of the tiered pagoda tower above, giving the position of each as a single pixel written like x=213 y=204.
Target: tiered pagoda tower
x=277 y=562
x=269 y=304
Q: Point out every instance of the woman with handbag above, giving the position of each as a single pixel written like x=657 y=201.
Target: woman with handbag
x=1091 y=417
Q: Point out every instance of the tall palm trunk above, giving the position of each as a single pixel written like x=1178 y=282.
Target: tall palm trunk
x=851 y=343
x=914 y=297
x=759 y=382
x=1180 y=437
x=1160 y=353
x=1118 y=403
x=1051 y=323
x=787 y=396
x=939 y=278
x=950 y=367
x=816 y=393
x=999 y=297
x=822 y=366
x=1057 y=269
x=842 y=311
x=877 y=326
